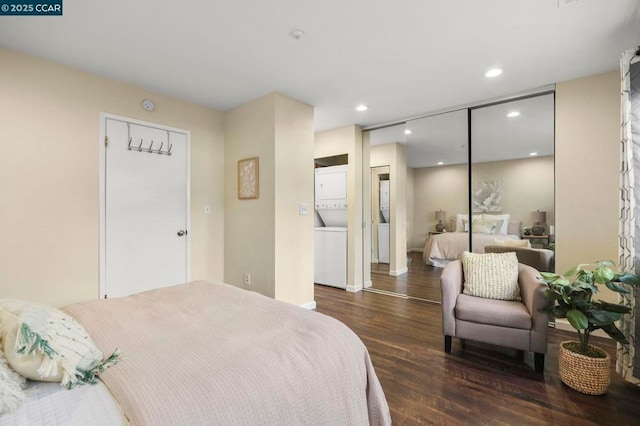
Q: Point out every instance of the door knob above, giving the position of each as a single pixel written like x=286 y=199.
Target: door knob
x=181 y=233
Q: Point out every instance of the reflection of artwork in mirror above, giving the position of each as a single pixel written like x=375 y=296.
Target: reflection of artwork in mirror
x=487 y=196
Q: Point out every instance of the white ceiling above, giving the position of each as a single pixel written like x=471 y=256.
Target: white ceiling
x=443 y=138
x=401 y=58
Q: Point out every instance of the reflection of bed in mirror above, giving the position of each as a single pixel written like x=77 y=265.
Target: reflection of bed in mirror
x=440 y=249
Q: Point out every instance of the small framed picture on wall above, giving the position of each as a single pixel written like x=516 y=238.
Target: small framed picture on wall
x=248 y=179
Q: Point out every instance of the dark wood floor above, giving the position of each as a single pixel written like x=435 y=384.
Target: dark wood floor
x=480 y=385
x=421 y=281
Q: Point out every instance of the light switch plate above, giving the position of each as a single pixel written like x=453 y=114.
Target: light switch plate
x=207 y=209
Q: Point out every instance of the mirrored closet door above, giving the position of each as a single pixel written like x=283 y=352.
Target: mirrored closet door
x=495 y=161
x=427 y=161
x=512 y=173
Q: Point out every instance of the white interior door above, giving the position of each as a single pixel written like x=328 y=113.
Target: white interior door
x=145 y=208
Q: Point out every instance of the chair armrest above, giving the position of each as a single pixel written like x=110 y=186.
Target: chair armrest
x=532 y=293
x=451 y=282
x=540 y=259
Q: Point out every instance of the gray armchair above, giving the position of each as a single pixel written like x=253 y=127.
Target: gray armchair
x=540 y=259
x=513 y=324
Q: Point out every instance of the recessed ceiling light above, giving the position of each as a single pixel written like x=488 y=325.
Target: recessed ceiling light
x=362 y=108
x=494 y=72
x=440 y=163
x=533 y=154
x=513 y=114
x=407 y=132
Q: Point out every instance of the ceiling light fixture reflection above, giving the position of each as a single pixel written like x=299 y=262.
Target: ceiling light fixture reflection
x=440 y=163
x=362 y=108
x=407 y=132
x=533 y=154
x=494 y=72
x=513 y=114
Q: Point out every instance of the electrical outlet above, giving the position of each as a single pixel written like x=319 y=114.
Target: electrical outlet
x=247 y=278
x=304 y=209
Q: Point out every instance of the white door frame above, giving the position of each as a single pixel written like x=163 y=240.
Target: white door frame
x=102 y=147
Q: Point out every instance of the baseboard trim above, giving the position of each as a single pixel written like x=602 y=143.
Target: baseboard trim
x=309 y=305
x=563 y=324
x=354 y=288
x=368 y=284
x=398 y=272
x=415 y=250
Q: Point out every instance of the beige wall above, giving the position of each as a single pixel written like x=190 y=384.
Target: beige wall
x=267 y=237
x=437 y=188
x=587 y=171
x=527 y=185
x=348 y=140
x=294 y=185
x=49 y=176
x=249 y=238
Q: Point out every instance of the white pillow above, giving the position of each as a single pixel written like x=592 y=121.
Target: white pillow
x=505 y=224
x=11 y=387
x=484 y=226
x=43 y=343
x=491 y=275
x=513 y=243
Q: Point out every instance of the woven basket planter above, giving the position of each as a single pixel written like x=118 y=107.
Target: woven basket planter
x=582 y=373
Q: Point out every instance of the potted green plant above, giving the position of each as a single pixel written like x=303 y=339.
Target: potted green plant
x=582 y=366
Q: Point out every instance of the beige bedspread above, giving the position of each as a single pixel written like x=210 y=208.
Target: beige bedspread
x=203 y=353
x=440 y=249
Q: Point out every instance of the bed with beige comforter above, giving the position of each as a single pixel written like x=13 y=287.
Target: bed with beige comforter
x=203 y=353
x=440 y=249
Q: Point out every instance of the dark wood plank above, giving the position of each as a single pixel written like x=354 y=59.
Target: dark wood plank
x=421 y=281
x=480 y=384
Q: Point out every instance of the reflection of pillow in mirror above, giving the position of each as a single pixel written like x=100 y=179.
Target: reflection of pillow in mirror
x=460 y=225
x=498 y=226
x=505 y=224
x=483 y=226
x=513 y=243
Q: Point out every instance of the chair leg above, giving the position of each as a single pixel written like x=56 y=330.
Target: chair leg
x=539 y=362
x=447 y=344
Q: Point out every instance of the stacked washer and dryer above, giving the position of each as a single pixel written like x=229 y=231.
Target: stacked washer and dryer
x=330 y=239
x=383 y=227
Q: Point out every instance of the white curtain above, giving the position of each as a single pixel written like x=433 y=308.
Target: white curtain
x=627 y=364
